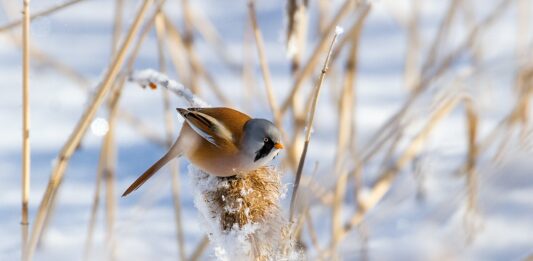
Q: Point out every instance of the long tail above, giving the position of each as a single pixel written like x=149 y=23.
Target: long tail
x=173 y=152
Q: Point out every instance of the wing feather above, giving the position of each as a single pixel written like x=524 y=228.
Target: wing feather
x=207 y=127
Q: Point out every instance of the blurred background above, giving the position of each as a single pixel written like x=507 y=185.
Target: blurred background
x=421 y=145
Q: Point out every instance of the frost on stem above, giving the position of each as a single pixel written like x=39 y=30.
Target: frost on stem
x=152 y=78
x=243 y=215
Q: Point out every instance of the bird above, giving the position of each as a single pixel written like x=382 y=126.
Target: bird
x=221 y=141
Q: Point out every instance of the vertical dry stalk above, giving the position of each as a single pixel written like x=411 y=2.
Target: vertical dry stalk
x=264 y=64
x=109 y=148
x=94 y=209
x=195 y=66
x=442 y=33
x=297 y=23
x=83 y=83
x=169 y=128
x=523 y=32
x=39 y=14
x=313 y=60
x=26 y=160
x=346 y=117
x=106 y=167
x=338 y=31
x=248 y=72
x=412 y=74
x=75 y=137
x=200 y=248
x=117 y=28
x=471 y=178
x=209 y=33
x=188 y=41
x=324 y=7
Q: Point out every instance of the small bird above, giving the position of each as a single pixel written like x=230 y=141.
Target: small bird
x=220 y=141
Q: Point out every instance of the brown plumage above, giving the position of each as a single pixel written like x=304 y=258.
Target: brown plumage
x=210 y=138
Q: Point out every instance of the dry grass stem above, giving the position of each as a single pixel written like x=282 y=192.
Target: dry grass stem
x=26 y=160
x=209 y=33
x=106 y=168
x=382 y=185
x=412 y=72
x=199 y=250
x=311 y=63
x=264 y=63
x=40 y=14
x=346 y=116
x=75 y=138
x=442 y=33
x=380 y=137
x=169 y=129
x=196 y=68
x=314 y=103
x=297 y=24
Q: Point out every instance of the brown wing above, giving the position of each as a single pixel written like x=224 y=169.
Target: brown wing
x=219 y=126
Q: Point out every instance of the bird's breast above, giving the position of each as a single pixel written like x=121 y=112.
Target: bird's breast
x=223 y=161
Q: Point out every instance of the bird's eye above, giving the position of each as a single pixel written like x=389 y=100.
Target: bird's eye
x=265 y=140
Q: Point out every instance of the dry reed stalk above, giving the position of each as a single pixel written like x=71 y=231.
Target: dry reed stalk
x=523 y=34
x=312 y=231
x=94 y=209
x=169 y=129
x=248 y=72
x=199 y=250
x=311 y=63
x=26 y=150
x=441 y=35
x=109 y=146
x=411 y=71
x=209 y=33
x=518 y=115
x=188 y=42
x=44 y=58
x=84 y=83
x=39 y=14
x=75 y=137
x=382 y=185
x=324 y=7
x=106 y=168
x=314 y=102
x=298 y=111
x=196 y=67
x=297 y=23
x=117 y=27
x=142 y=128
x=470 y=170
x=379 y=138
x=346 y=118
x=267 y=77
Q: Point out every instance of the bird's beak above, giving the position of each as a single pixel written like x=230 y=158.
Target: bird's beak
x=278 y=146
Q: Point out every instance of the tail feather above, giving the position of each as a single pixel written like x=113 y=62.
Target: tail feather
x=173 y=152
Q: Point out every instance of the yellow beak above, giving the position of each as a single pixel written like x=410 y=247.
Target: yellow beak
x=278 y=146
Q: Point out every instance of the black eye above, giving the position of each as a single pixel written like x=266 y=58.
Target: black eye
x=266 y=140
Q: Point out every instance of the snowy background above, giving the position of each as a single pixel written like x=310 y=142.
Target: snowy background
x=423 y=216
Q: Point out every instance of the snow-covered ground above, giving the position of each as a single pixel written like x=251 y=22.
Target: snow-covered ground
x=404 y=226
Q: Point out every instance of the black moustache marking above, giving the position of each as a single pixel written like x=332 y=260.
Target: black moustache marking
x=264 y=151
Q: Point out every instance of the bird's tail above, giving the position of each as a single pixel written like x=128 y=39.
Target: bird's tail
x=174 y=151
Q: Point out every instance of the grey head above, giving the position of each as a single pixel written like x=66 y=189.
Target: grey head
x=261 y=140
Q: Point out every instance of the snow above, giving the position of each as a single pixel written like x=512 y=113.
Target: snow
x=421 y=218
